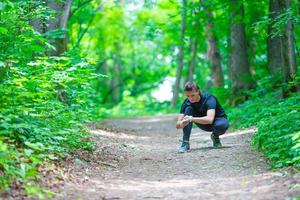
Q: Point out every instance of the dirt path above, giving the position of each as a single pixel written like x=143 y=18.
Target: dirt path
x=142 y=163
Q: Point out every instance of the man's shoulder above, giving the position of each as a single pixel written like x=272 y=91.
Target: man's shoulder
x=206 y=95
x=208 y=98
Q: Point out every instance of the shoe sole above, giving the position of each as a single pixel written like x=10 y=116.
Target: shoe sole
x=184 y=151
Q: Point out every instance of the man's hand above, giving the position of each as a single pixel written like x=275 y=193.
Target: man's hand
x=184 y=122
x=188 y=118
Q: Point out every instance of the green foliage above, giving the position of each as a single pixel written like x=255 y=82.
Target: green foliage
x=18 y=41
x=45 y=101
x=36 y=118
x=278 y=124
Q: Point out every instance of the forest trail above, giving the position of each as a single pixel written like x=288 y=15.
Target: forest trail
x=141 y=162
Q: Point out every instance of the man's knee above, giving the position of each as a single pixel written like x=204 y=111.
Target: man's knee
x=220 y=125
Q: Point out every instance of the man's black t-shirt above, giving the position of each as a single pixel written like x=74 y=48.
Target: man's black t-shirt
x=206 y=102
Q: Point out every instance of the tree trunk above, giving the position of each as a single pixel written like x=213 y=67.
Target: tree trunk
x=239 y=70
x=289 y=66
x=180 y=55
x=116 y=76
x=213 y=54
x=275 y=54
x=192 y=61
x=193 y=47
x=39 y=25
x=63 y=25
x=60 y=22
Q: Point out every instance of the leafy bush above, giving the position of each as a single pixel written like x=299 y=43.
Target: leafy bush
x=44 y=101
x=35 y=123
x=278 y=123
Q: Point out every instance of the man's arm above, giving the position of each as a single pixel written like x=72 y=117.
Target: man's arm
x=208 y=119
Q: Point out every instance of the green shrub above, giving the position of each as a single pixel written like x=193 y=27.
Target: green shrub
x=278 y=123
x=34 y=123
x=45 y=101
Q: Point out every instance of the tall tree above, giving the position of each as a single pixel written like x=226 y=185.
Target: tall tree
x=213 y=53
x=288 y=48
x=59 y=23
x=192 y=61
x=275 y=56
x=180 y=54
x=281 y=45
x=116 y=78
x=238 y=60
x=193 y=45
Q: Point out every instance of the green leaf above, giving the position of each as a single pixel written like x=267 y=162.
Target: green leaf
x=36 y=146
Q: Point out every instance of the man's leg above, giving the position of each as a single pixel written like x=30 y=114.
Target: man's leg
x=185 y=146
x=219 y=127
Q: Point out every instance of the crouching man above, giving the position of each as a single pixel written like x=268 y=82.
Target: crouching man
x=205 y=111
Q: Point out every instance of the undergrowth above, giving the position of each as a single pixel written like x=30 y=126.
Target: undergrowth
x=278 y=126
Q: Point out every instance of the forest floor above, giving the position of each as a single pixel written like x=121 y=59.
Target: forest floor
x=138 y=158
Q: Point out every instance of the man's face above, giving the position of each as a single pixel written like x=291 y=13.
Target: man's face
x=193 y=95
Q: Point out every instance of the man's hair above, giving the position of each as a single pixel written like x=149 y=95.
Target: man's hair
x=191 y=86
